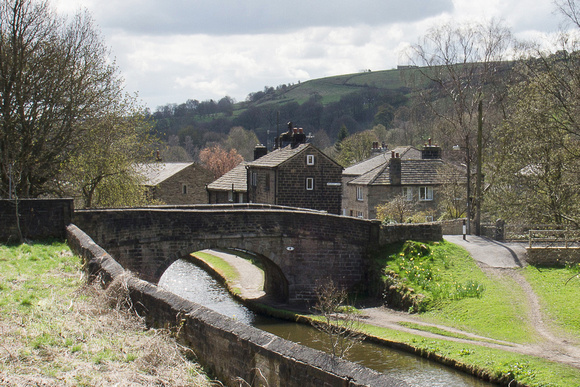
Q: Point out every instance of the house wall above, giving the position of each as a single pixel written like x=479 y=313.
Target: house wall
x=265 y=189
x=195 y=177
x=223 y=197
x=286 y=184
x=375 y=195
x=327 y=192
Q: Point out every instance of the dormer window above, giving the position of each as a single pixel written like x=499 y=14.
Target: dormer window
x=309 y=159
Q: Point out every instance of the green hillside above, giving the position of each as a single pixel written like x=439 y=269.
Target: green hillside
x=331 y=89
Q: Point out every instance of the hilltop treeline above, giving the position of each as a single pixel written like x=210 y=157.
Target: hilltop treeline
x=209 y=121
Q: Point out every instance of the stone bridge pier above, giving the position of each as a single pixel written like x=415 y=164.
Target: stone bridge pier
x=298 y=248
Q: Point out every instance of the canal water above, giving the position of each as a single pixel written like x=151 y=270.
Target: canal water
x=193 y=283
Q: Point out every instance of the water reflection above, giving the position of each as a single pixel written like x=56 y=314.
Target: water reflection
x=193 y=283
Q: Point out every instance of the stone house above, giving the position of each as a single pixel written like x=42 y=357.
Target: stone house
x=416 y=175
x=296 y=175
x=175 y=183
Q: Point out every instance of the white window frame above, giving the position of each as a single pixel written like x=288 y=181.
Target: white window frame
x=254 y=179
x=230 y=196
x=309 y=184
x=426 y=193
x=407 y=193
x=359 y=193
x=360 y=215
x=309 y=159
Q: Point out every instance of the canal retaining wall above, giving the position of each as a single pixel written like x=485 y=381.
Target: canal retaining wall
x=233 y=351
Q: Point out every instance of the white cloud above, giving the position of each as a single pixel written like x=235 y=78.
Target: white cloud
x=183 y=49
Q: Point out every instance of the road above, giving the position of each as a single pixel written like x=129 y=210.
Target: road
x=492 y=253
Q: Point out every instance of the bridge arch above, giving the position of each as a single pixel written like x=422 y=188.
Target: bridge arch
x=275 y=282
x=299 y=247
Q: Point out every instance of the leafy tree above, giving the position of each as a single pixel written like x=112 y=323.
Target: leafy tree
x=452 y=193
x=55 y=80
x=385 y=115
x=103 y=175
x=356 y=148
x=535 y=173
x=218 y=160
x=243 y=141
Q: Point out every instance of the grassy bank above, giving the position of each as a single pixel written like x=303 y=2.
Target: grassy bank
x=56 y=330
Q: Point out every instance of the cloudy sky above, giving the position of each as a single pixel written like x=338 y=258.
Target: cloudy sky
x=174 y=50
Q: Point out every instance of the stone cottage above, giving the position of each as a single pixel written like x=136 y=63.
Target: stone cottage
x=415 y=175
x=296 y=174
x=176 y=183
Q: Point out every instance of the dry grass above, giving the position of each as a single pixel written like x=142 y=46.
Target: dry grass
x=57 y=331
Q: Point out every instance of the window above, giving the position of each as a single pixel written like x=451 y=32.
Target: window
x=359 y=214
x=254 y=179
x=240 y=197
x=425 y=193
x=309 y=183
x=184 y=189
x=359 y=194
x=230 y=196
x=408 y=193
x=309 y=159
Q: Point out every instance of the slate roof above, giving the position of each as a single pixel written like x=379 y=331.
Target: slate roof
x=236 y=176
x=278 y=156
x=405 y=152
x=414 y=172
x=156 y=173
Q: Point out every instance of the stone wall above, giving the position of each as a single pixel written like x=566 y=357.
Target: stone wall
x=232 y=350
x=552 y=256
x=412 y=231
x=38 y=219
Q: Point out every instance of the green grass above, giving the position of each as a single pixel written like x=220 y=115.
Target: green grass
x=498 y=311
x=56 y=330
x=559 y=292
x=225 y=270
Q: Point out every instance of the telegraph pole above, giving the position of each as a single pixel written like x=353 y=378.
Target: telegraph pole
x=478 y=177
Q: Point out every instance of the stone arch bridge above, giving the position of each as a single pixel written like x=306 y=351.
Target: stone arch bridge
x=297 y=247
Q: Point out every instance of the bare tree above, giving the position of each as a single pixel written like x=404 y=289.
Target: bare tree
x=55 y=77
x=339 y=321
x=398 y=210
x=460 y=78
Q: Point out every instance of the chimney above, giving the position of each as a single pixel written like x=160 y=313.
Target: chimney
x=395 y=170
x=430 y=152
x=259 y=151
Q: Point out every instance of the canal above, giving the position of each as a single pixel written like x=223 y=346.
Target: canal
x=193 y=283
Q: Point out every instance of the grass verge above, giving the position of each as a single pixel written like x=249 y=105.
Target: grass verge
x=441 y=274
x=559 y=292
x=58 y=331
